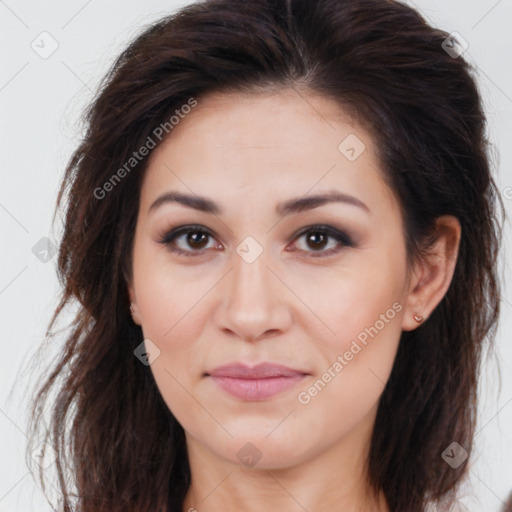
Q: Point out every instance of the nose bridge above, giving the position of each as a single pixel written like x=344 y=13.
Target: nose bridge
x=255 y=304
x=250 y=279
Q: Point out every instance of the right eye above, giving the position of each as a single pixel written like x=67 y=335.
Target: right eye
x=193 y=236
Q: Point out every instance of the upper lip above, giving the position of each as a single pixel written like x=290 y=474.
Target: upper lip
x=260 y=371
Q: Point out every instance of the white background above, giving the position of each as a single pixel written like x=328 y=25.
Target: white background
x=40 y=103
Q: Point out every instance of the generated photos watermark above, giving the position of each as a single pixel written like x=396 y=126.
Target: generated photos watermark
x=305 y=397
x=151 y=142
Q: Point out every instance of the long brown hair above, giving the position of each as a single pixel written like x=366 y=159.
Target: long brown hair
x=114 y=436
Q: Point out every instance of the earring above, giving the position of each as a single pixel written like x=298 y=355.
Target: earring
x=418 y=318
x=132 y=310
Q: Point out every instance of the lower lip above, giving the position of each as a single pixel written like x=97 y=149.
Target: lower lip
x=257 y=389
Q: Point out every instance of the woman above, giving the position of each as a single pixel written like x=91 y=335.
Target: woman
x=282 y=231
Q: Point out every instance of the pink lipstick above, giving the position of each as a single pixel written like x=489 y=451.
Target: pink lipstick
x=255 y=383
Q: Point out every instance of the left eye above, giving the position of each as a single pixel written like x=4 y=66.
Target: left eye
x=318 y=236
x=196 y=237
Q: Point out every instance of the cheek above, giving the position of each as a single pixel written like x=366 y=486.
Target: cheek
x=361 y=311
x=174 y=321
x=170 y=306
x=349 y=303
x=168 y=296
x=173 y=318
x=349 y=387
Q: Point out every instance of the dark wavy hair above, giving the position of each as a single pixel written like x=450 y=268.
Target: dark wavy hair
x=118 y=446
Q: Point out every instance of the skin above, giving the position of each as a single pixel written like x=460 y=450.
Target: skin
x=248 y=153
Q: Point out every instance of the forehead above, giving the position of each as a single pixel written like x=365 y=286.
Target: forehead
x=282 y=143
x=280 y=121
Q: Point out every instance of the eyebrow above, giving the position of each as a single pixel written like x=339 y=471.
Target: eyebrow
x=295 y=205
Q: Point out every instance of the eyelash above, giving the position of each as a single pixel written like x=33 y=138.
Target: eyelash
x=339 y=236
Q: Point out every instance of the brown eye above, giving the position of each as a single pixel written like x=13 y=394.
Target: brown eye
x=196 y=239
x=317 y=239
x=187 y=240
x=193 y=240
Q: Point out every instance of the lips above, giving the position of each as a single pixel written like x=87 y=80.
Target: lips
x=255 y=383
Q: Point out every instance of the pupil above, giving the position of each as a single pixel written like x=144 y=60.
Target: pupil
x=193 y=237
x=315 y=238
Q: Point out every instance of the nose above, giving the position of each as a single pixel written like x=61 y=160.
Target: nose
x=255 y=301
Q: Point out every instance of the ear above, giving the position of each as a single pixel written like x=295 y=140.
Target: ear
x=433 y=273
x=133 y=304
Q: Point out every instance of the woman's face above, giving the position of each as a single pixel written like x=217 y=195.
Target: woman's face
x=258 y=281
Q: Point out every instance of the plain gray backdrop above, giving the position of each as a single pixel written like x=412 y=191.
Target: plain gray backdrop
x=53 y=55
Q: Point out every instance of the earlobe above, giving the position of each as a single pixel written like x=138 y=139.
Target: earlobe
x=433 y=274
x=133 y=307
x=134 y=313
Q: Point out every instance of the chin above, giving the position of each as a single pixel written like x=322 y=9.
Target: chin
x=258 y=450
